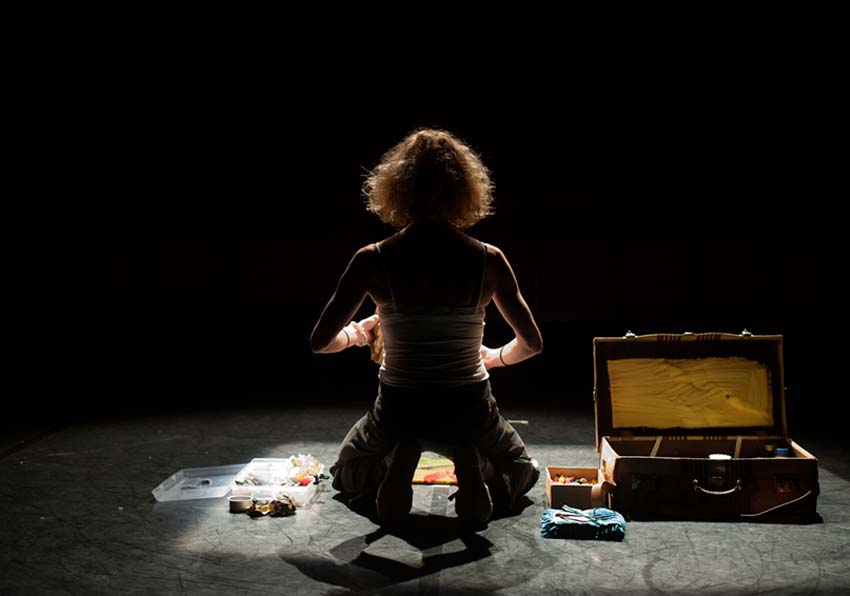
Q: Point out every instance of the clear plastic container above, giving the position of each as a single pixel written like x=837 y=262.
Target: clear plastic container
x=275 y=477
x=198 y=483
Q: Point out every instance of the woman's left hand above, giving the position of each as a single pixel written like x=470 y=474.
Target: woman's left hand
x=490 y=357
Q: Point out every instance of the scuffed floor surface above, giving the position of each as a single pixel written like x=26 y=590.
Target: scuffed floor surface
x=78 y=517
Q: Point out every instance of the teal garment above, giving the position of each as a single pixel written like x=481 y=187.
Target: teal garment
x=588 y=524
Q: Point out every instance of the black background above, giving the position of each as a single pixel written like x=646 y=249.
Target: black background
x=634 y=195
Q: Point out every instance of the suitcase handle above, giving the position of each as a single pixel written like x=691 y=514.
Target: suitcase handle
x=700 y=489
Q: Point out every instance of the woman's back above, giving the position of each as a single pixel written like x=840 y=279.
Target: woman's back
x=432 y=307
x=432 y=265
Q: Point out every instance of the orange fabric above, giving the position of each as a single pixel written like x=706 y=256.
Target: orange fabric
x=435 y=470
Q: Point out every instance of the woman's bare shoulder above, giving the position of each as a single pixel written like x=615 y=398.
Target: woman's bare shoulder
x=365 y=260
x=493 y=251
x=366 y=251
x=499 y=267
x=373 y=247
x=387 y=242
x=491 y=248
x=372 y=253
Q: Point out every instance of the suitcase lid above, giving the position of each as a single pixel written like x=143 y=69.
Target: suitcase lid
x=689 y=384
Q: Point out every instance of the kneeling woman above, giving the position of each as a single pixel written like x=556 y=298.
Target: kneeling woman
x=431 y=283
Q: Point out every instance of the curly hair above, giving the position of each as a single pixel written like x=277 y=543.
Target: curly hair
x=430 y=174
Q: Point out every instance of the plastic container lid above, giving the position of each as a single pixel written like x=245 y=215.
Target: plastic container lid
x=197 y=483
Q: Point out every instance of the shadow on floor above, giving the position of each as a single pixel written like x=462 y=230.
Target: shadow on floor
x=350 y=567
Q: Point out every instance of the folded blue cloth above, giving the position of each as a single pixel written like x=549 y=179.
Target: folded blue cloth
x=588 y=524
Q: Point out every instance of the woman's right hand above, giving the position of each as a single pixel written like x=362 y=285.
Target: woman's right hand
x=363 y=330
x=369 y=324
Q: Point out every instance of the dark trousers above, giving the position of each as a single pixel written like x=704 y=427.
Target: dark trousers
x=439 y=419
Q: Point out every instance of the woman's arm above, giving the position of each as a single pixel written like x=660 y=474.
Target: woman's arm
x=516 y=312
x=331 y=334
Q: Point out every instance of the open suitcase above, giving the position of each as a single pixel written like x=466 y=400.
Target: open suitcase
x=693 y=426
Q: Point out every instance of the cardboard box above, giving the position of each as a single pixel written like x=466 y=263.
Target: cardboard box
x=574 y=495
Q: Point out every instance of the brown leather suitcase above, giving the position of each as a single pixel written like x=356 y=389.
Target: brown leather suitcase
x=693 y=426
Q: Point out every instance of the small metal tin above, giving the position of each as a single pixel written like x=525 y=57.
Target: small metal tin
x=240 y=503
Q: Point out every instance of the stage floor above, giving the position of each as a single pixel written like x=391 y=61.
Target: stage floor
x=78 y=517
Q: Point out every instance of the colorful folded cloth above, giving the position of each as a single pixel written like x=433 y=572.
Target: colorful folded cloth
x=598 y=523
x=434 y=470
